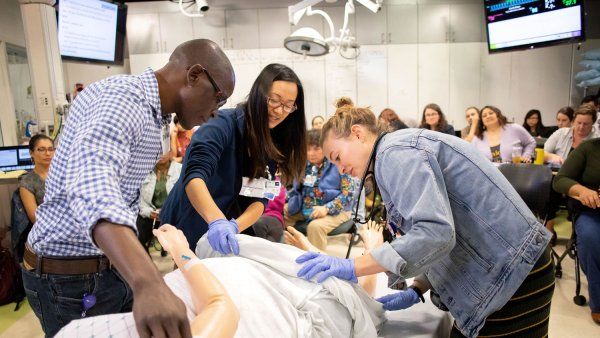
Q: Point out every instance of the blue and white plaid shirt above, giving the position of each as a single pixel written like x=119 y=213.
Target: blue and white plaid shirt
x=110 y=143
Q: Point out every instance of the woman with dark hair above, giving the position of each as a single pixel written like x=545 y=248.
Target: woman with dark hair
x=497 y=139
x=32 y=185
x=434 y=119
x=391 y=120
x=241 y=145
x=533 y=124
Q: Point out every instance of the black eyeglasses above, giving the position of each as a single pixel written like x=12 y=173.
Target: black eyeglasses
x=219 y=95
x=275 y=103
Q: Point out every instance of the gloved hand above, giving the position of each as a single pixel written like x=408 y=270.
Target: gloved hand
x=221 y=236
x=327 y=265
x=399 y=301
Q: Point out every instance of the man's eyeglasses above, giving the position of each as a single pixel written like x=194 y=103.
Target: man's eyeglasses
x=275 y=103
x=219 y=95
x=43 y=150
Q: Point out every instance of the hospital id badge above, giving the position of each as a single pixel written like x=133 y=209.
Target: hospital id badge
x=259 y=188
x=165 y=140
x=272 y=189
x=310 y=180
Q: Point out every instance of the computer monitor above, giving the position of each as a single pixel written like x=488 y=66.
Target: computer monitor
x=15 y=158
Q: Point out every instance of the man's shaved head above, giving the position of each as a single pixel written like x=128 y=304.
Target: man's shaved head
x=193 y=92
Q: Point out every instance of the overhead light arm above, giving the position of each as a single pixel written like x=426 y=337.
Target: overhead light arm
x=191 y=15
x=296 y=11
x=310 y=11
x=373 y=6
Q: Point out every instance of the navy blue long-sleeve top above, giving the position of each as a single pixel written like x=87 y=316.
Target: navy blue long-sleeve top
x=216 y=154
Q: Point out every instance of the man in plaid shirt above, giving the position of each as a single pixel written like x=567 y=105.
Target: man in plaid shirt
x=83 y=256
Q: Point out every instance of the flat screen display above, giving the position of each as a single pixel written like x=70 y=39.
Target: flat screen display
x=90 y=30
x=15 y=158
x=522 y=24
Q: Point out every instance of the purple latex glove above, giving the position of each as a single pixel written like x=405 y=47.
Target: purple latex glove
x=327 y=265
x=221 y=236
x=400 y=300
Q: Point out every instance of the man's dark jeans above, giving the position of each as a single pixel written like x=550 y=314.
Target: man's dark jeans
x=57 y=299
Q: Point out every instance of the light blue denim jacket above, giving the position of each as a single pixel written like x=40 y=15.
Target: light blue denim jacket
x=465 y=228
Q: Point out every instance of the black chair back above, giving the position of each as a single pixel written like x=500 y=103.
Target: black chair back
x=532 y=183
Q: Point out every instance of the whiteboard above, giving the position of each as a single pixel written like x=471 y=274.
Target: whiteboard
x=402 y=79
x=371 y=78
x=406 y=77
x=246 y=65
x=495 y=78
x=434 y=75
x=312 y=75
x=540 y=80
x=465 y=71
x=340 y=79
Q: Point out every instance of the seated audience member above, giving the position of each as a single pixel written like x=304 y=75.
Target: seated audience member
x=468 y=132
x=32 y=185
x=180 y=140
x=270 y=225
x=324 y=198
x=533 y=124
x=496 y=138
x=153 y=194
x=564 y=117
x=390 y=120
x=434 y=119
x=318 y=122
x=562 y=141
x=579 y=178
x=218 y=305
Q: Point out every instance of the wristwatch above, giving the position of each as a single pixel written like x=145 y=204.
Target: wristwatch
x=419 y=293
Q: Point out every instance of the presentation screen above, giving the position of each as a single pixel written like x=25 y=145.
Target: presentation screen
x=91 y=30
x=522 y=24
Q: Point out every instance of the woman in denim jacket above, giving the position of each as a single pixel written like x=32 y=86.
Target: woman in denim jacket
x=465 y=232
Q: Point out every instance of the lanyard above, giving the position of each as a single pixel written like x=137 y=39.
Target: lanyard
x=362 y=183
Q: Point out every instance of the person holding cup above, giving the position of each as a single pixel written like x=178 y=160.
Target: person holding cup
x=499 y=140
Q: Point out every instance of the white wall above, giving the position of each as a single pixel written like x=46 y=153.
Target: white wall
x=450 y=65
x=11 y=24
x=86 y=73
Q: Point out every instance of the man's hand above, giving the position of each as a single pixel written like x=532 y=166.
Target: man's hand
x=154 y=214
x=319 y=212
x=159 y=313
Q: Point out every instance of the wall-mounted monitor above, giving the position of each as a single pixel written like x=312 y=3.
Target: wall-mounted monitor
x=524 y=24
x=91 y=30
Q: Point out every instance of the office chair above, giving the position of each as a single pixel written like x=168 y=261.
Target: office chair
x=533 y=184
x=571 y=251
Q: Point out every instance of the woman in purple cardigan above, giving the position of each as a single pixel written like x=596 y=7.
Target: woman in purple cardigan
x=496 y=137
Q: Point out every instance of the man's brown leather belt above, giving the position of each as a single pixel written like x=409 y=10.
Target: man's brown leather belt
x=65 y=265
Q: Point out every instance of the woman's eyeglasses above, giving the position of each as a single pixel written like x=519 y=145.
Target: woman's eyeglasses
x=275 y=103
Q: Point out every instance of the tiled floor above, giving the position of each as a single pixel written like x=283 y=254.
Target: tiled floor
x=566 y=319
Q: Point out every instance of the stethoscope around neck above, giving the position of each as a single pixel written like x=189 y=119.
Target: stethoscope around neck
x=368 y=172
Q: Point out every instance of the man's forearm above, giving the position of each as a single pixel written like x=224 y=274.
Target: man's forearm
x=125 y=252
